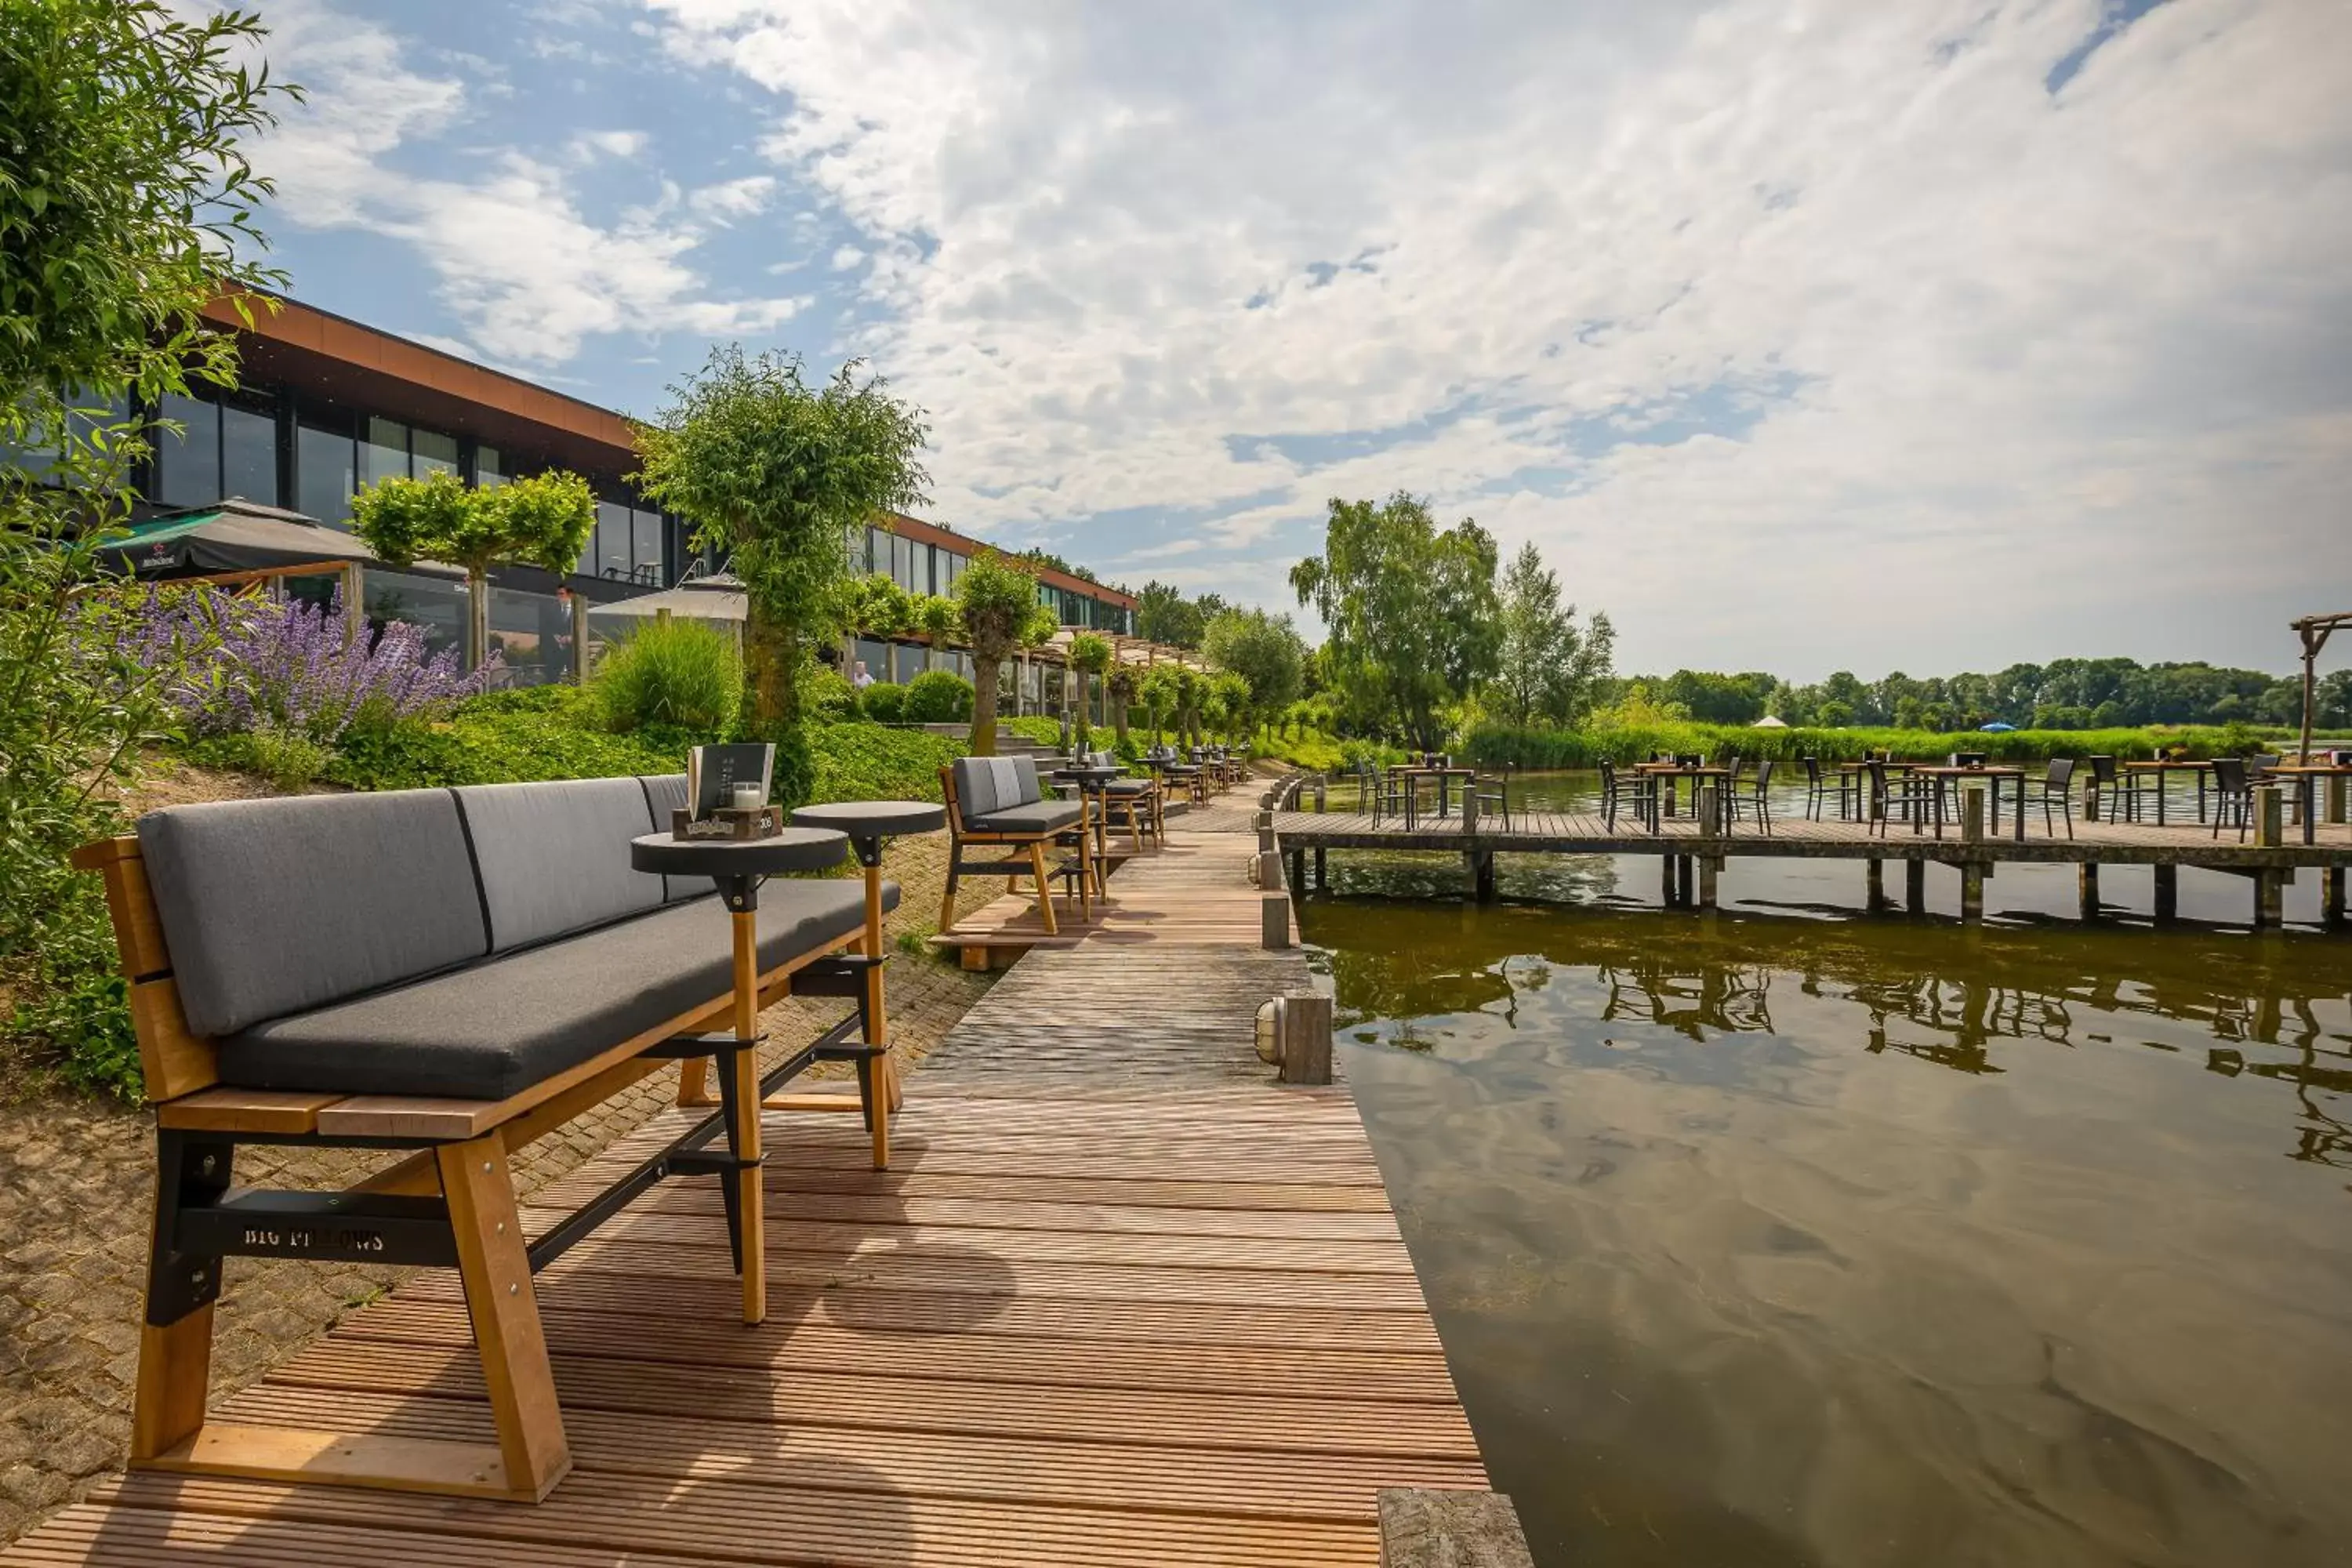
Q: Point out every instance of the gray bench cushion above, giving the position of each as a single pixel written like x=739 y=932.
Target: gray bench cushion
x=272 y=906
x=986 y=785
x=554 y=856
x=494 y=1028
x=1037 y=817
x=666 y=793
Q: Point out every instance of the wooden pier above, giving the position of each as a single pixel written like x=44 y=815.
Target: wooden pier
x=1120 y=1299
x=1691 y=857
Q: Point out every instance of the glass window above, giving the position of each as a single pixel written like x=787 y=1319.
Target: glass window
x=323 y=468
x=952 y=566
x=384 y=454
x=612 y=542
x=645 y=548
x=249 y=454
x=909 y=658
x=533 y=633
x=188 y=463
x=437 y=605
x=434 y=453
x=489 y=470
x=874 y=655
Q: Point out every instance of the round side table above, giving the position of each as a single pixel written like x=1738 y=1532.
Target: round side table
x=867 y=822
x=738 y=867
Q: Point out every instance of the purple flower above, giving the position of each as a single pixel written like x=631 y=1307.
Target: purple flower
x=239 y=663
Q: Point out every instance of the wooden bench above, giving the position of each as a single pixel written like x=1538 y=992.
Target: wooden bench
x=448 y=976
x=998 y=803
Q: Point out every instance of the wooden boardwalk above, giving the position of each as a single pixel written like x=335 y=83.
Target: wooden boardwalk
x=1119 y=1301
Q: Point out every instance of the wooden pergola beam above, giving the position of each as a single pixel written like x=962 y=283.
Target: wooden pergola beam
x=2313 y=630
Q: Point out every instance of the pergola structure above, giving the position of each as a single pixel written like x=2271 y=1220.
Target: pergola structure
x=2313 y=630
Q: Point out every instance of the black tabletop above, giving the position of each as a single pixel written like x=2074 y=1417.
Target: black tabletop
x=794 y=850
x=874 y=819
x=1089 y=776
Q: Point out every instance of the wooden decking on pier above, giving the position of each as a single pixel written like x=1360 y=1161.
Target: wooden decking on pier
x=1192 y=891
x=1561 y=832
x=1119 y=1301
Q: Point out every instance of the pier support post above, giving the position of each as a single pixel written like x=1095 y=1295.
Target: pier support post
x=2270 y=899
x=1682 y=889
x=1297 y=869
x=2270 y=816
x=1873 y=882
x=2086 y=888
x=1914 y=887
x=1666 y=880
x=1450 y=1530
x=2168 y=894
x=1305 y=1024
x=1973 y=880
x=1710 y=868
x=1482 y=874
x=1321 y=785
x=1322 y=872
x=2331 y=897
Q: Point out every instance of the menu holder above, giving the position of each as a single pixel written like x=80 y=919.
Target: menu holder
x=726 y=825
x=713 y=774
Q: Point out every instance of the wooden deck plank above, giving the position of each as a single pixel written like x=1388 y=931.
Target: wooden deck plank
x=1118 y=1302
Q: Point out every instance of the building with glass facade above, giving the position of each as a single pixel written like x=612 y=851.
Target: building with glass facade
x=328 y=406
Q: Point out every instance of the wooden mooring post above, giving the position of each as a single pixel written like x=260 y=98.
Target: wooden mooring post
x=1305 y=1033
x=2168 y=894
x=1973 y=871
x=1914 y=887
x=1874 y=886
x=2087 y=889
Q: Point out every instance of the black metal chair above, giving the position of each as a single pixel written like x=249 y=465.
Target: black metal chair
x=1757 y=802
x=2109 y=800
x=1636 y=793
x=1913 y=800
x=2058 y=790
x=1817 y=789
x=1493 y=792
x=2233 y=791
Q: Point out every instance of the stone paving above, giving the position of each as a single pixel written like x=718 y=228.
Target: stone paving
x=75 y=1183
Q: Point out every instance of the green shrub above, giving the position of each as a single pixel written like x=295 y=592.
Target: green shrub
x=506 y=736
x=681 y=673
x=829 y=698
x=885 y=704
x=866 y=761
x=939 y=697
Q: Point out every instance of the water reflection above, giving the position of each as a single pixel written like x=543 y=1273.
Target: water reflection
x=1730 y=1273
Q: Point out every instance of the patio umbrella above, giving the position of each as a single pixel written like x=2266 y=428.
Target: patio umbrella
x=1996 y=728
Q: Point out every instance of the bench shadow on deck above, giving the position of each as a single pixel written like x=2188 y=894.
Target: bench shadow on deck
x=1117 y=1301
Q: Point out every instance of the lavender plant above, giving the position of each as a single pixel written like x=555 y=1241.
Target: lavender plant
x=246 y=664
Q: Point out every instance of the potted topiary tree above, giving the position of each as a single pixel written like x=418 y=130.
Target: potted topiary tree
x=1124 y=685
x=996 y=600
x=1089 y=656
x=543 y=520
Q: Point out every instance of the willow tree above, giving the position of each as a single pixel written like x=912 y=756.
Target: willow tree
x=775 y=475
x=1124 y=684
x=1090 y=654
x=996 y=599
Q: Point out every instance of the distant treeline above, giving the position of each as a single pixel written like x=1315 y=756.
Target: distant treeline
x=2065 y=694
x=1501 y=746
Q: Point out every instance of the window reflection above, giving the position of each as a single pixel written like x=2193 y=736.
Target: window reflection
x=324 y=465
x=612 y=542
x=188 y=463
x=430 y=453
x=249 y=454
x=385 y=455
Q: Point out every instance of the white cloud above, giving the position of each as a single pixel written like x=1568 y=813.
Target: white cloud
x=590 y=145
x=847 y=257
x=731 y=201
x=2027 y=374
x=524 y=268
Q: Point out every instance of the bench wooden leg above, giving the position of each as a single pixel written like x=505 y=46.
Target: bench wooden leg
x=1044 y=887
x=176 y=1365
x=495 y=1267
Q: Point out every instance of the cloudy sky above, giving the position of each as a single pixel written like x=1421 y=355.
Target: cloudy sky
x=1852 y=333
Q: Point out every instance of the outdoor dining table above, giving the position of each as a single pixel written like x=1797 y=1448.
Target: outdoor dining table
x=737 y=867
x=867 y=822
x=1413 y=774
x=2307 y=777
x=1993 y=775
x=2163 y=772
x=1666 y=774
x=1094 y=783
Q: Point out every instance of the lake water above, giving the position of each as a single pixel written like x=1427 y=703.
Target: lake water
x=1792 y=1235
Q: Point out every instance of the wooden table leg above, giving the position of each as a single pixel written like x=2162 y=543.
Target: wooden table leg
x=746 y=1069
x=885 y=1075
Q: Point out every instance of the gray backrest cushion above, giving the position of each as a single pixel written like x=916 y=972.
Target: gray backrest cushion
x=666 y=793
x=975 y=787
x=555 y=857
x=271 y=907
x=1016 y=781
